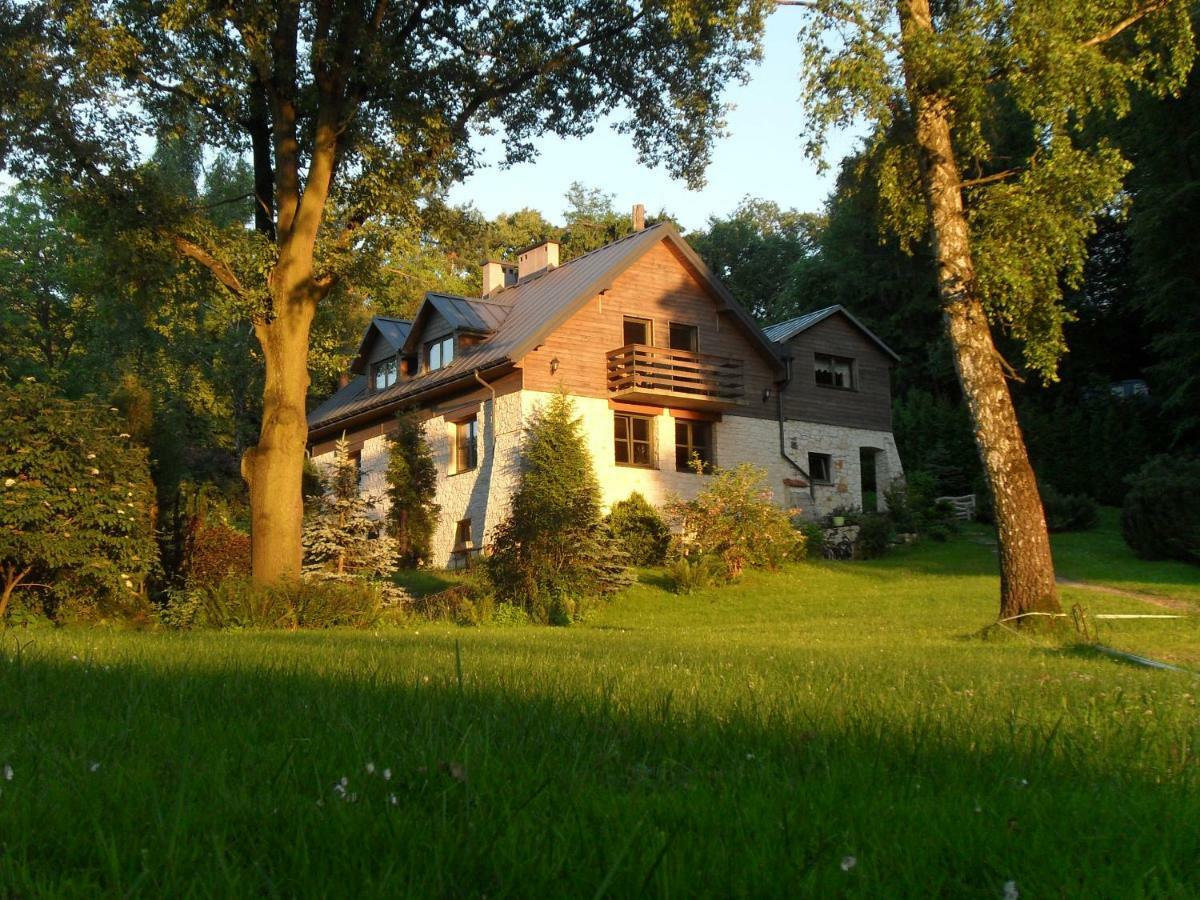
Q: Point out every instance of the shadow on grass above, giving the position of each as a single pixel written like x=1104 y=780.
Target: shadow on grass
x=219 y=776
x=422 y=582
x=656 y=578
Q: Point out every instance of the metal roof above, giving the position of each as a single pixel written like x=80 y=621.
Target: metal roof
x=520 y=317
x=394 y=331
x=782 y=332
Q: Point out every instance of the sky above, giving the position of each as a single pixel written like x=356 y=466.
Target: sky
x=762 y=155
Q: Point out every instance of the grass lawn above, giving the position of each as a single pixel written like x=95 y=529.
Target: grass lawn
x=747 y=741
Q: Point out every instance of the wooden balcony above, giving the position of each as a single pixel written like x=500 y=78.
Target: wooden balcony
x=680 y=378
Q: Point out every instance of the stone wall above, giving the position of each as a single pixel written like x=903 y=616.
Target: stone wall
x=484 y=493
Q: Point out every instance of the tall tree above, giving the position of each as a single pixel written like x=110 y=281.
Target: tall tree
x=354 y=112
x=1004 y=92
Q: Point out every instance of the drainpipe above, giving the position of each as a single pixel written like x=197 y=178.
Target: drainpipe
x=492 y=442
x=812 y=492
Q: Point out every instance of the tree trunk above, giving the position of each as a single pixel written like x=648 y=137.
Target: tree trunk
x=12 y=578
x=274 y=468
x=1026 y=568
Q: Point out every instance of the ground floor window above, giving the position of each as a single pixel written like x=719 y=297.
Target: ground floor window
x=693 y=440
x=633 y=444
x=820 y=467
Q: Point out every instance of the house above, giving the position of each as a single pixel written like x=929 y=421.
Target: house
x=662 y=364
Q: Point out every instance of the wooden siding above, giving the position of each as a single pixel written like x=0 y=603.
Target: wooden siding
x=659 y=287
x=867 y=405
x=386 y=422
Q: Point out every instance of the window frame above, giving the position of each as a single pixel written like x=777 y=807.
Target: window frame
x=695 y=333
x=649 y=323
x=439 y=343
x=828 y=459
x=690 y=425
x=851 y=371
x=393 y=364
x=471 y=424
x=630 y=442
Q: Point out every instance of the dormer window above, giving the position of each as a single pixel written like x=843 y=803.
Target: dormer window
x=439 y=353
x=834 y=371
x=383 y=374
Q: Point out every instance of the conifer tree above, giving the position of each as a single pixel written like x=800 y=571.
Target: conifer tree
x=412 y=484
x=554 y=549
x=340 y=537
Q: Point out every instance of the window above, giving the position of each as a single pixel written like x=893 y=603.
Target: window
x=462 y=534
x=632 y=445
x=638 y=331
x=439 y=353
x=834 y=371
x=820 y=467
x=465 y=454
x=383 y=374
x=684 y=337
x=693 y=439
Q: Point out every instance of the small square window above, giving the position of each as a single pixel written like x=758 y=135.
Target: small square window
x=820 y=468
x=633 y=444
x=685 y=337
x=439 y=353
x=637 y=331
x=462 y=534
x=833 y=371
x=693 y=440
x=466 y=454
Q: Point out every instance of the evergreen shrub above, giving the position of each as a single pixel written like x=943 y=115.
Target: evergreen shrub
x=412 y=485
x=1068 y=512
x=1160 y=518
x=640 y=530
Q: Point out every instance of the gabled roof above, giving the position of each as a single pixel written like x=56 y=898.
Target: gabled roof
x=521 y=316
x=782 y=332
x=394 y=331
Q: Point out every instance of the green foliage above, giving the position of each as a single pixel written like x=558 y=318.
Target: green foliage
x=640 y=530
x=1068 y=512
x=216 y=552
x=340 y=538
x=813 y=537
x=1026 y=85
x=911 y=501
x=470 y=602
x=412 y=485
x=1161 y=515
x=76 y=503
x=874 y=535
x=694 y=572
x=237 y=602
x=934 y=435
x=553 y=547
x=735 y=519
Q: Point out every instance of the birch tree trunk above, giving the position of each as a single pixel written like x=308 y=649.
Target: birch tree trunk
x=1026 y=567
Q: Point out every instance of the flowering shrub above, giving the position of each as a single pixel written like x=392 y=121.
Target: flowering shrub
x=735 y=520
x=76 y=504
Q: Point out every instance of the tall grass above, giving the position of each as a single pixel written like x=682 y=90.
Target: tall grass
x=737 y=741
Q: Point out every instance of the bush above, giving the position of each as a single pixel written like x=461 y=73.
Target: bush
x=76 y=505
x=1161 y=515
x=216 y=552
x=309 y=603
x=694 y=573
x=554 y=548
x=735 y=520
x=812 y=536
x=874 y=535
x=470 y=603
x=640 y=530
x=1068 y=512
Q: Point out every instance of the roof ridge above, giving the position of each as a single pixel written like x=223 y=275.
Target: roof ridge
x=802 y=316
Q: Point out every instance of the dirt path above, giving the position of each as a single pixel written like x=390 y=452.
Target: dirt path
x=1165 y=602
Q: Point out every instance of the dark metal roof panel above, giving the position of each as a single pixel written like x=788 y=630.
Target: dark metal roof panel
x=394 y=331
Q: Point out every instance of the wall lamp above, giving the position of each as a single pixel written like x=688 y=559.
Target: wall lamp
x=766 y=394
x=554 y=365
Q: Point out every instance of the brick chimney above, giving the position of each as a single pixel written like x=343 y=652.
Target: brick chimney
x=497 y=275
x=536 y=259
x=639 y=217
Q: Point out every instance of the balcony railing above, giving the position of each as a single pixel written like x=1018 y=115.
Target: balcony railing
x=656 y=374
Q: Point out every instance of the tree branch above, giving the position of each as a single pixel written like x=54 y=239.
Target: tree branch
x=988 y=179
x=850 y=17
x=219 y=270
x=1131 y=19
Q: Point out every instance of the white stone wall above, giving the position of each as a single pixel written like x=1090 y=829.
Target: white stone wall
x=484 y=493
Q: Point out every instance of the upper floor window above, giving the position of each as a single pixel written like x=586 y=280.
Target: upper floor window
x=693 y=441
x=632 y=444
x=685 y=337
x=439 y=353
x=638 y=331
x=383 y=374
x=834 y=371
x=466 y=455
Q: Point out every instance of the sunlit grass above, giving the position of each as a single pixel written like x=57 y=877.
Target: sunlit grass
x=742 y=741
